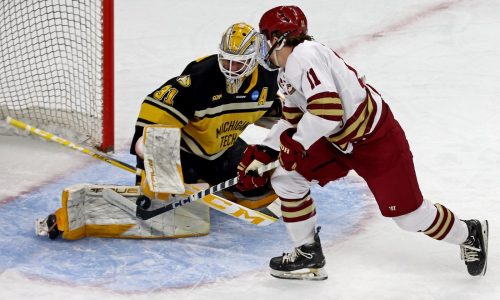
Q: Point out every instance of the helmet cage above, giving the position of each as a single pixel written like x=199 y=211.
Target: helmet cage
x=236 y=66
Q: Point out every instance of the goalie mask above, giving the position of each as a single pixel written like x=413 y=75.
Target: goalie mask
x=238 y=51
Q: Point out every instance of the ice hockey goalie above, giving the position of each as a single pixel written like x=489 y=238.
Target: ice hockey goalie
x=86 y=212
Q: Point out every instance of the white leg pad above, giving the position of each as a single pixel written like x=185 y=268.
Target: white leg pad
x=85 y=213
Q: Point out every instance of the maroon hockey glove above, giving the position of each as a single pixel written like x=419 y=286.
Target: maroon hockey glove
x=255 y=155
x=291 y=151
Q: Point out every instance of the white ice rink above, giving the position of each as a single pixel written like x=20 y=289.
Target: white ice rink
x=437 y=64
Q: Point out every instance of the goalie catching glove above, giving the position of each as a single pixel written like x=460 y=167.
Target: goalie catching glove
x=254 y=157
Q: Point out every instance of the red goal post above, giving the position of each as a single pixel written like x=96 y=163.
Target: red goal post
x=57 y=67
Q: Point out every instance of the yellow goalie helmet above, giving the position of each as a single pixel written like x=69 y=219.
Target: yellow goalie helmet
x=238 y=53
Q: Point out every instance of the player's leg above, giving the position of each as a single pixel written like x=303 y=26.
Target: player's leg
x=440 y=223
x=299 y=213
x=387 y=166
x=306 y=260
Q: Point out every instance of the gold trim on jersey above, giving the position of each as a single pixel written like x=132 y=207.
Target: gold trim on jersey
x=233 y=107
x=194 y=148
x=156 y=115
x=170 y=109
x=292 y=114
x=356 y=126
x=326 y=105
x=212 y=134
x=253 y=81
x=202 y=58
x=327 y=112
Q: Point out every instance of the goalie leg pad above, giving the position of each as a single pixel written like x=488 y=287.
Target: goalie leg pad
x=85 y=213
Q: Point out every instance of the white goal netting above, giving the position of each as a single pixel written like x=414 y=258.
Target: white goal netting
x=51 y=65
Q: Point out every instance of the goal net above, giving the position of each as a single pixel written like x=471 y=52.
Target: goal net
x=56 y=66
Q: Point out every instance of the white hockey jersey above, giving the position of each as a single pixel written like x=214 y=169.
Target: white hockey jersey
x=324 y=97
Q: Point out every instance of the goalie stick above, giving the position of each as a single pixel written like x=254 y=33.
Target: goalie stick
x=216 y=202
x=54 y=138
x=273 y=207
x=143 y=214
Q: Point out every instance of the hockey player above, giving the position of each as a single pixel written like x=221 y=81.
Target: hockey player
x=213 y=100
x=334 y=122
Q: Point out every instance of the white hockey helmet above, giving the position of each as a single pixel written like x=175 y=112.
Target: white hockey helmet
x=238 y=51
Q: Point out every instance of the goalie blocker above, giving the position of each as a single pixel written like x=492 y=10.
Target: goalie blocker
x=160 y=149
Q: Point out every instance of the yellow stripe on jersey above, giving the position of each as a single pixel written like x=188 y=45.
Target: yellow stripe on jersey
x=292 y=115
x=212 y=134
x=362 y=130
x=357 y=123
x=248 y=107
x=326 y=105
x=253 y=81
x=202 y=58
x=327 y=112
x=328 y=100
x=158 y=113
x=194 y=147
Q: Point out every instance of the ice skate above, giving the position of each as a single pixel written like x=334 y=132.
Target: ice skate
x=305 y=262
x=474 y=251
x=47 y=227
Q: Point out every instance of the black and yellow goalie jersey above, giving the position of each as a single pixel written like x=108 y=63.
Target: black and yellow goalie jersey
x=197 y=102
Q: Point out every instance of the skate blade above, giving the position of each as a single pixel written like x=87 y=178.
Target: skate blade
x=302 y=274
x=41 y=228
x=485 y=232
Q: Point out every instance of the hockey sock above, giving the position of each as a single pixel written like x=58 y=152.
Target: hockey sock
x=447 y=227
x=299 y=216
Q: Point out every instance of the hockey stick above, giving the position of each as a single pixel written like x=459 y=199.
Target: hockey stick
x=148 y=214
x=223 y=208
x=53 y=138
x=211 y=200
